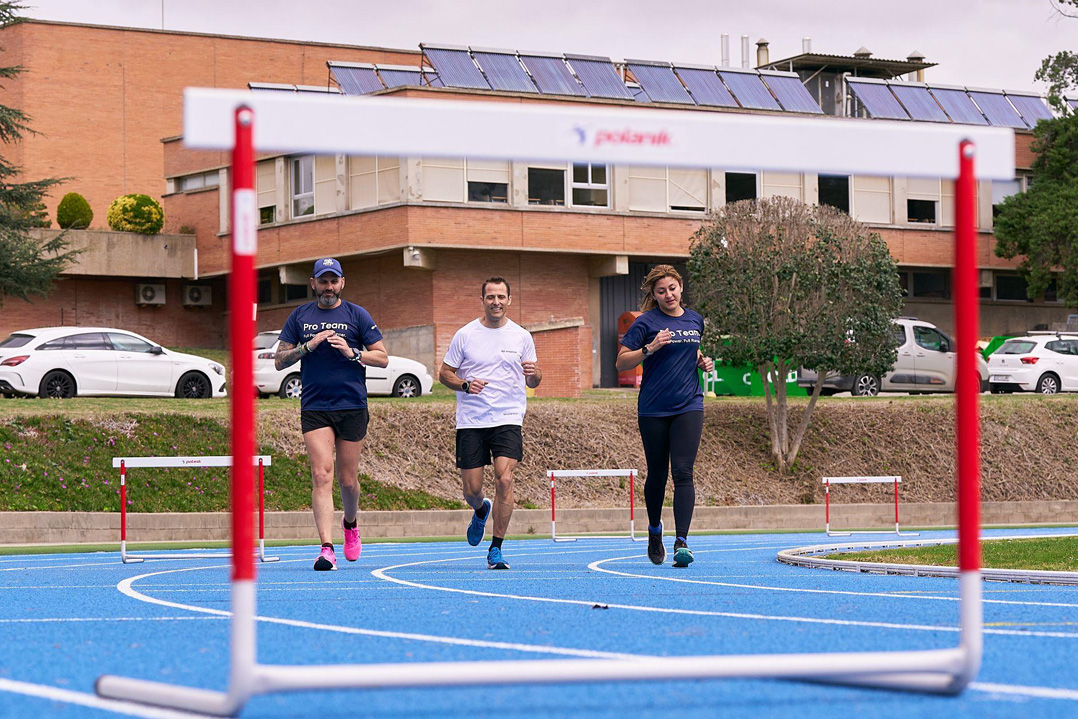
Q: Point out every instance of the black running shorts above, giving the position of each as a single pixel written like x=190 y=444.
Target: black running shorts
x=348 y=424
x=475 y=447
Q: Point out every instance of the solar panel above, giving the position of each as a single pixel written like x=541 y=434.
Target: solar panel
x=1073 y=102
x=996 y=108
x=599 y=77
x=318 y=89
x=551 y=75
x=1032 y=107
x=918 y=101
x=791 y=92
x=270 y=87
x=749 y=89
x=355 y=78
x=400 y=75
x=503 y=70
x=877 y=99
x=455 y=66
x=637 y=92
x=659 y=82
x=957 y=104
x=705 y=86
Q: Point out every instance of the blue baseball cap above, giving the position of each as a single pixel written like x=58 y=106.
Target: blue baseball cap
x=328 y=264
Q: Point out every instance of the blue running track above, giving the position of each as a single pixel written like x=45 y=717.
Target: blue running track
x=66 y=619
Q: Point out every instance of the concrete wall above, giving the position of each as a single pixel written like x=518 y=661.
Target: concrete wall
x=414 y=343
x=128 y=254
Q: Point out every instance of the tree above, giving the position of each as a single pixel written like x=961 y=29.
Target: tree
x=1041 y=224
x=1060 y=71
x=785 y=285
x=27 y=266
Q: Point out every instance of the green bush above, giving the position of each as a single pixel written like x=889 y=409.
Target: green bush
x=136 y=213
x=74 y=212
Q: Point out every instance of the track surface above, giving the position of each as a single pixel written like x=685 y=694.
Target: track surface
x=66 y=619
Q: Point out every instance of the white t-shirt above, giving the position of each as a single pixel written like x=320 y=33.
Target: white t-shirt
x=494 y=355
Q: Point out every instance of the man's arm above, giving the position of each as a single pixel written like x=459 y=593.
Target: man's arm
x=287 y=355
x=532 y=374
x=448 y=376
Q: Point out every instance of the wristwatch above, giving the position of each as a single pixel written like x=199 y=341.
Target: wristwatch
x=646 y=351
x=357 y=356
x=464 y=386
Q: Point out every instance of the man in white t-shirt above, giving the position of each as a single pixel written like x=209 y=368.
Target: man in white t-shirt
x=489 y=362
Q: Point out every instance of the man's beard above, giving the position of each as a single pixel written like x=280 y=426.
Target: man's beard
x=328 y=298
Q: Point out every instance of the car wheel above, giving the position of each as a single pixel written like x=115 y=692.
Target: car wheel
x=407 y=386
x=1048 y=384
x=193 y=385
x=291 y=388
x=865 y=385
x=57 y=385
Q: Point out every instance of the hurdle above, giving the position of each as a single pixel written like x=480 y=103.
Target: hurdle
x=219 y=119
x=828 y=481
x=565 y=473
x=124 y=463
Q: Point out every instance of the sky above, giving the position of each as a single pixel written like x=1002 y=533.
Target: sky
x=997 y=44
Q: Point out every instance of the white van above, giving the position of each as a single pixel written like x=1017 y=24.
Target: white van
x=925 y=363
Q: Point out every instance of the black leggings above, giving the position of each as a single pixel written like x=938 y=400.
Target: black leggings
x=671 y=442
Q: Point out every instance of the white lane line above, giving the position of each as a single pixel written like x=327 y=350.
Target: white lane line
x=46 y=620
x=1025 y=691
x=90 y=700
x=381 y=574
x=594 y=566
x=125 y=587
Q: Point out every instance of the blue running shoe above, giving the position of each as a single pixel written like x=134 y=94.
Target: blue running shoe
x=682 y=555
x=495 y=560
x=478 y=526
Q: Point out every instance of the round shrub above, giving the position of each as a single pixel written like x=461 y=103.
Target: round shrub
x=136 y=213
x=74 y=212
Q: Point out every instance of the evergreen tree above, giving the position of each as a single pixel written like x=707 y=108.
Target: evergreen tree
x=27 y=266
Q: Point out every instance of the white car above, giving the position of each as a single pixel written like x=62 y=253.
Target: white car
x=1039 y=362
x=66 y=362
x=402 y=378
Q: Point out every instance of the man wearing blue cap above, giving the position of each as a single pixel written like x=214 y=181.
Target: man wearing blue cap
x=335 y=339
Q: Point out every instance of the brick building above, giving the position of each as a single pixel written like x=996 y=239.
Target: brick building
x=418 y=235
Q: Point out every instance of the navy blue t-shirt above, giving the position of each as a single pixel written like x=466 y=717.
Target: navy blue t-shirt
x=669 y=384
x=331 y=381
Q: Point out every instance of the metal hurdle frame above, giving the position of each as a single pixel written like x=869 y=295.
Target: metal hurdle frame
x=123 y=463
x=226 y=119
x=630 y=473
x=828 y=481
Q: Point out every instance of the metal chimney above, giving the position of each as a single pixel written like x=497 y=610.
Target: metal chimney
x=862 y=52
x=806 y=45
x=745 y=51
x=916 y=56
x=725 y=50
x=762 y=55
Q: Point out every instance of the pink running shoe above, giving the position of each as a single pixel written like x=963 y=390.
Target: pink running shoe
x=327 y=561
x=353 y=545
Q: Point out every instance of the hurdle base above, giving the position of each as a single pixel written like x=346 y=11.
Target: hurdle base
x=142 y=691
x=126 y=558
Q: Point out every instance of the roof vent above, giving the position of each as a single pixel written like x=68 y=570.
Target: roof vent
x=916 y=56
x=762 y=55
x=863 y=52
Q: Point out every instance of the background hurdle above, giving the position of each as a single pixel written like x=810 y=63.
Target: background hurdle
x=188 y=462
x=630 y=473
x=828 y=481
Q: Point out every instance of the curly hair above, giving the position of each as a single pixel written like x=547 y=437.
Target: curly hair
x=658 y=272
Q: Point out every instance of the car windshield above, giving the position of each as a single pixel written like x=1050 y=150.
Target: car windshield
x=1016 y=347
x=265 y=340
x=16 y=341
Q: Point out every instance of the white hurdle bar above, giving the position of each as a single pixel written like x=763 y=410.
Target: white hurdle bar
x=226 y=119
x=125 y=463
x=630 y=473
x=828 y=481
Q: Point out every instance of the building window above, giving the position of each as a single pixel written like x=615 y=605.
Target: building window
x=198 y=182
x=267 y=215
x=1051 y=292
x=835 y=192
x=740 y=186
x=303 y=186
x=265 y=290
x=291 y=293
x=488 y=181
x=932 y=284
x=921 y=211
x=488 y=192
x=1012 y=288
x=545 y=186
x=590 y=188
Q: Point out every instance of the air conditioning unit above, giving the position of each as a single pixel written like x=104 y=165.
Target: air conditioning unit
x=197 y=296
x=149 y=294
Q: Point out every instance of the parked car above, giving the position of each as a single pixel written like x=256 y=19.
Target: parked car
x=1044 y=362
x=402 y=378
x=84 y=361
x=925 y=363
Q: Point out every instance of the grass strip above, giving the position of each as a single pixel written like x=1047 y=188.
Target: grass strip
x=1059 y=554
